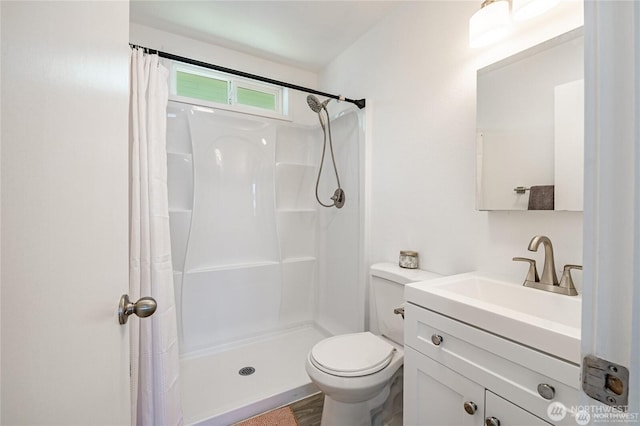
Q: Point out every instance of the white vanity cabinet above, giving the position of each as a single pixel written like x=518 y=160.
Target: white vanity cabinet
x=507 y=413
x=457 y=374
x=436 y=395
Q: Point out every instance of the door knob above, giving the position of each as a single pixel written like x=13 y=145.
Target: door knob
x=143 y=308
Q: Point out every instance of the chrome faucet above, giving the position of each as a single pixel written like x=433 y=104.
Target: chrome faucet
x=549 y=276
x=549 y=279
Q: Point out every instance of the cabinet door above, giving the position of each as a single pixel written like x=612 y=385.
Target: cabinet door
x=509 y=414
x=435 y=395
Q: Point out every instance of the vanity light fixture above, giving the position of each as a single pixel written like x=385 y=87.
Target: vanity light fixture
x=527 y=9
x=490 y=23
x=493 y=21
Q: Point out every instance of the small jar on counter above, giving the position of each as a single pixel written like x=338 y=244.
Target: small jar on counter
x=408 y=259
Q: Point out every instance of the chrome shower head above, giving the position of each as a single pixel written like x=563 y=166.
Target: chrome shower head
x=315 y=104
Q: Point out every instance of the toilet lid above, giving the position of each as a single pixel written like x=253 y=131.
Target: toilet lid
x=350 y=355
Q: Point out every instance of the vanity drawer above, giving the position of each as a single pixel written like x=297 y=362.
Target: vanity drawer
x=503 y=366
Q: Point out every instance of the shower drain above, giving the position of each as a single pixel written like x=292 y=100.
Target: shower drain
x=246 y=371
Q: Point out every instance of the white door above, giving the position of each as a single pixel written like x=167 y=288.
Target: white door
x=611 y=297
x=65 y=91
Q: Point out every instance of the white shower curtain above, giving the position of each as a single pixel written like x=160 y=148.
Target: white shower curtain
x=155 y=390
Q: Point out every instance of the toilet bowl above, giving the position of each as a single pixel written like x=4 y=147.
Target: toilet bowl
x=355 y=371
x=361 y=373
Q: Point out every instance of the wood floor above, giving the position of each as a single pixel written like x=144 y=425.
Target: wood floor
x=308 y=411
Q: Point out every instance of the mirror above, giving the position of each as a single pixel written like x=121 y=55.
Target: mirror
x=530 y=128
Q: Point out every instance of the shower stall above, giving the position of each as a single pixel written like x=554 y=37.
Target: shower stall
x=261 y=270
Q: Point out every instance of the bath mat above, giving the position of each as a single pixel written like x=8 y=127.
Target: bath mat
x=280 y=417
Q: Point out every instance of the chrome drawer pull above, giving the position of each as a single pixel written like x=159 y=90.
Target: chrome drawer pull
x=491 y=421
x=546 y=391
x=436 y=339
x=470 y=407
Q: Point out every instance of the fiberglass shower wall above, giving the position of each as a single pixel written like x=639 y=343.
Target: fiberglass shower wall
x=247 y=235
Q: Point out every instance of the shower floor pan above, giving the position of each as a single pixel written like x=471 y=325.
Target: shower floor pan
x=215 y=393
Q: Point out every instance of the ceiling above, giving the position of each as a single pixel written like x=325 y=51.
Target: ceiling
x=306 y=34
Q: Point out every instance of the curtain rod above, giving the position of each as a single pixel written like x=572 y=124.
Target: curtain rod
x=360 y=103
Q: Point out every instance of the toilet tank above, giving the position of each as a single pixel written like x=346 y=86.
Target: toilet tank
x=387 y=293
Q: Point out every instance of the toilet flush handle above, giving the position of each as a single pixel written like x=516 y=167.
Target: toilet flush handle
x=399 y=310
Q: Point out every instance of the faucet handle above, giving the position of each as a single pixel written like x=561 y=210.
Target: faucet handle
x=566 y=281
x=532 y=274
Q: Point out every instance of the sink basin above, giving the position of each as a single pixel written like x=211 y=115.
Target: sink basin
x=542 y=320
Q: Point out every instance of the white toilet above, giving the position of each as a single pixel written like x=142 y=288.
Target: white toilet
x=361 y=373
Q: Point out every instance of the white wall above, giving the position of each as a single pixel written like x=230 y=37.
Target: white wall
x=205 y=52
x=418 y=75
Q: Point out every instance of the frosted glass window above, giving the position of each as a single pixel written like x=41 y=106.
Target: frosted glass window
x=256 y=98
x=210 y=88
x=201 y=87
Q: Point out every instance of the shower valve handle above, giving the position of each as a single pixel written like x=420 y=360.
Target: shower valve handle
x=338 y=198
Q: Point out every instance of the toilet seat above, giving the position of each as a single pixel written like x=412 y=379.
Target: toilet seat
x=352 y=355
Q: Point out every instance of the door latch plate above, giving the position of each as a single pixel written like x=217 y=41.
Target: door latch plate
x=605 y=381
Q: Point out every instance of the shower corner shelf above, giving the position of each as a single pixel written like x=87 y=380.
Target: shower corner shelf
x=299 y=259
x=233 y=266
x=180 y=154
x=301 y=210
x=294 y=164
